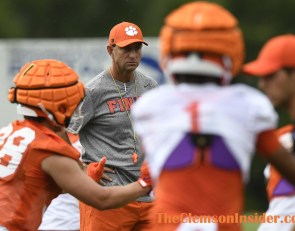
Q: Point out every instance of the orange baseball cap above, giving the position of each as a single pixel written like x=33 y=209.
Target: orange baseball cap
x=124 y=34
x=277 y=53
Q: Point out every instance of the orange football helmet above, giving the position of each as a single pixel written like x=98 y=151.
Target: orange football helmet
x=202 y=27
x=48 y=86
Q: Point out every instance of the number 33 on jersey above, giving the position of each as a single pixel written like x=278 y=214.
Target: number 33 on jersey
x=13 y=145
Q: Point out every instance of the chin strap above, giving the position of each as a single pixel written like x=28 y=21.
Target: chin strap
x=48 y=115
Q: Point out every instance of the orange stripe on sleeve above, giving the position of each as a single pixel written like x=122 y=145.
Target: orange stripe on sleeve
x=285 y=129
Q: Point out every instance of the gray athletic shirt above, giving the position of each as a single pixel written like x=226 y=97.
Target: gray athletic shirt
x=104 y=126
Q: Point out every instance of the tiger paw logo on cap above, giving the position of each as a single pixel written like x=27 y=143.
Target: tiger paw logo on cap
x=131 y=31
x=124 y=34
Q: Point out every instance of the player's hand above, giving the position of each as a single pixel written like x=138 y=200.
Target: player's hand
x=145 y=177
x=95 y=169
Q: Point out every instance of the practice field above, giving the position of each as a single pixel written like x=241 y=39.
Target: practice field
x=250 y=227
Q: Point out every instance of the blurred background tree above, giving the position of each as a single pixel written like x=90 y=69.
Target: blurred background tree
x=259 y=20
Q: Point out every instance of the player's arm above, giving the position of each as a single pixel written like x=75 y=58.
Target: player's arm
x=69 y=176
x=284 y=161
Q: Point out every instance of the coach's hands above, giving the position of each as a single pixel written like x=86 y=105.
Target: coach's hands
x=95 y=169
x=145 y=177
x=105 y=176
x=98 y=172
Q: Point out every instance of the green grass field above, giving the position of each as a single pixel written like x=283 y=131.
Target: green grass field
x=250 y=227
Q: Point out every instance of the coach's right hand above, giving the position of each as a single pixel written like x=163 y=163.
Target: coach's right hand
x=105 y=176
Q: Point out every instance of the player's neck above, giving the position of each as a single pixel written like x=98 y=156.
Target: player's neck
x=58 y=130
x=51 y=126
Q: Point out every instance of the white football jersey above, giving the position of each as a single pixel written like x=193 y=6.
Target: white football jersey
x=237 y=113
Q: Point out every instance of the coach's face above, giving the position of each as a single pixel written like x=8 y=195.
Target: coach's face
x=127 y=58
x=279 y=87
